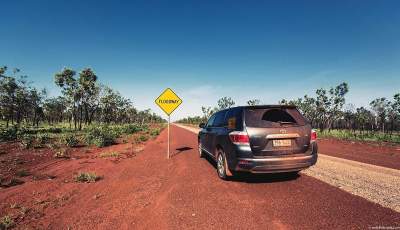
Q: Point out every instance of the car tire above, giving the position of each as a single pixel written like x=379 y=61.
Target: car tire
x=200 y=149
x=221 y=165
x=293 y=174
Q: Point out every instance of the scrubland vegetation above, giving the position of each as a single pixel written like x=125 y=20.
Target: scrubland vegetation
x=358 y=135
x=86 y=113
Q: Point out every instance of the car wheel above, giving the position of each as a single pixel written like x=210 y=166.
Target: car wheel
x=221 y=165
x=201 y=152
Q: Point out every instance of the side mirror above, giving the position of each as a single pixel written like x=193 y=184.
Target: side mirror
x=202 y=125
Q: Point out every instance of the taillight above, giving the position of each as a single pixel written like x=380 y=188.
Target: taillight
x=313 y=135
x=239 y=138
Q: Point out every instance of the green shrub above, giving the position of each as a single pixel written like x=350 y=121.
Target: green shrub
x=144 y=127
x=43 y=138
x=87 y=177
x=143 y=138
x=16 y=132
x=98 y=141
x=27 y=141
x=22 y=131
x=115 y=131
x=70 y=140
x=131 y=128
x=8 y=134
x=54 y=130
x=101 y=136
x=155 y=132
x=6 y=222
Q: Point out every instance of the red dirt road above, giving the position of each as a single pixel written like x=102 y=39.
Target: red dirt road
x=150 y=192
x=380 y=154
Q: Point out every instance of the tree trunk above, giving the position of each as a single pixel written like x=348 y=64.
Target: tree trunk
x=91 y=116
x=80 y=118
x=34 y=118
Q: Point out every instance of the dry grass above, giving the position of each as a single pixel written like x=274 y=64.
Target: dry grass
x=62 y=153
x=109 y=154
x=87 y=177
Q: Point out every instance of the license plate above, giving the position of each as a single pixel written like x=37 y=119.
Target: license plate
x=281 y=143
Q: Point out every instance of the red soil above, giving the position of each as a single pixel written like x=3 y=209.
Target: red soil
x=147 y=191
x=382 y=154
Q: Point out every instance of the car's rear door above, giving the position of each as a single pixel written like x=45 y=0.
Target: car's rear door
x=217 y=129
x=204 y=134
x=277 y=131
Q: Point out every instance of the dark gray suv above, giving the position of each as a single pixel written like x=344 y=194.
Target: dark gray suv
x=258 y=139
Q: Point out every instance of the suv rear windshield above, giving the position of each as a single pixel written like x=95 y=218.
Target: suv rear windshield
x=273 y=117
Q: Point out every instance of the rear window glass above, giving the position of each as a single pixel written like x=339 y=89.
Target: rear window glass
x=234 y=119
x=219 y=119
x=274 y=117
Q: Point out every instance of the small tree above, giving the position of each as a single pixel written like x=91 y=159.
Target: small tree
x=253 y=102
x=82 y=93
x=55 y=109
x=362 y=118
x=89 y=93
x=36 y=104
x=65 y=79
x=8 y=89
x=225 y=103
x=207 y=112
x=380 y=107
x=19 y=101
x=396 y=110
x=329 y=104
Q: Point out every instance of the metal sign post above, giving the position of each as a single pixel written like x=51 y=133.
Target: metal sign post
x=168 y=137
x=168 y=101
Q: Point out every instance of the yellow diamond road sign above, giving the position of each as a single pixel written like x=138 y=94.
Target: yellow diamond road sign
x=168 y=101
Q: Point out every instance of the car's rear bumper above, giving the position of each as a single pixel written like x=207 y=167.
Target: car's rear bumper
x=276 y=164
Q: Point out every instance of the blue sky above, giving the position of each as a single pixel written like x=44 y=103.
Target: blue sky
x=208 y=49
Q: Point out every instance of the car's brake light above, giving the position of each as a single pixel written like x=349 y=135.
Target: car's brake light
x=239 y=138
x=313 y=135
